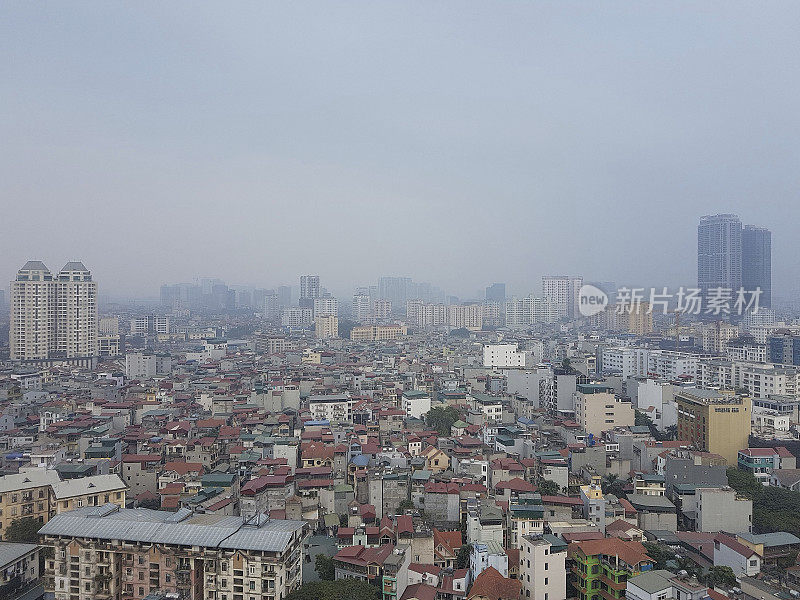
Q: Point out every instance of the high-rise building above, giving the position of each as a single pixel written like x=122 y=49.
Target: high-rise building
x=719 y=252
x=326 y=306
x=496 y=292
x=563 y=292
x=309 y=290
x=640 y=319
x=757 y=262
x=362 y=307
x=714 y=421
x=285 y=295
x=272 y=306
x=326 y=326
x=53 y=317
x=397 y=289
x=381 y=308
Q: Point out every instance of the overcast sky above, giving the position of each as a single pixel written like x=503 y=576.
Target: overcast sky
x=455 y=142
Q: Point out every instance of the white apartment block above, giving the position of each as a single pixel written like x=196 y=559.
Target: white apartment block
x=326 y=306
x=142 y=365
x=416 y=403
x=362 y=307
x=563 y=292
x=761 y=380
x=542 y=568
x=326 y=327
x=53 y=317
x=643 y=362
x=503 y=356
x=295 y=317
x=747 y=352
x=336 y=408
x=150 y=325
x=109 y=326
x=531 y=310
x=467 y=316
x=422 y=314
x=382 y=308
x=717 y=335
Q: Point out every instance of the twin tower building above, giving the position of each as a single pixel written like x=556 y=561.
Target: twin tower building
x=54 y=317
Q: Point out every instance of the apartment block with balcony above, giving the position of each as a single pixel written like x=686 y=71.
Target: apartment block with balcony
x=106 y=552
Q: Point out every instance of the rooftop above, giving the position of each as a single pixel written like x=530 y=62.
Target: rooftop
x=108 y=522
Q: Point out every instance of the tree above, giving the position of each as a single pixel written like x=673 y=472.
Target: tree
x=660 y=554
x=405 y=505
x=345 y=327
x=549 y=488
x=323 y=565
x=720 y=575
x=441 y=418
x=461 y=332
x=613 y=485
x=352 y=589
x=566 y=364
x=24 y=530
x=462 y=558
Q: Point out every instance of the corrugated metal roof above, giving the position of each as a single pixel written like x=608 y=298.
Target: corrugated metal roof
x=153 y=526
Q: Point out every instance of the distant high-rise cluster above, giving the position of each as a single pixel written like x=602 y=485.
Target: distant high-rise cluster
x=730 y=256
x=53 y=317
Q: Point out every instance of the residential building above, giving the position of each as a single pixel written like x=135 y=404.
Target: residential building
x=504 y=356
x=465 y=316
x=19 y=567
x=416 y=403
x=714 y=421
x=54 y=317
x=603 y=567
x=334 y=408
x=563 y=292
x=542 y=567
x=26 y=494
x=661 y=584
x=147 y=365
x=326 y=306
x=309 y=290
x=326 y=327
x=722 y=509
x=599 y=409
x=107 y=551
x=377 y=333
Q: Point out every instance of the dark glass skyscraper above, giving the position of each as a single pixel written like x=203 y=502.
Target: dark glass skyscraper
x=719 y=252
x=757 y=262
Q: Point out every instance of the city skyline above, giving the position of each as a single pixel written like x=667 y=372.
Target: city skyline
x=462 y=148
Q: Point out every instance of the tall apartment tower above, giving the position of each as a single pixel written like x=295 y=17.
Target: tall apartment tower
x=563 y=292
x=719 y=252
x=757 y=262
x=309 y=290
x=53 y=317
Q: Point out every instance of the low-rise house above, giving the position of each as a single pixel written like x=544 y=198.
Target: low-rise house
x=729 y=552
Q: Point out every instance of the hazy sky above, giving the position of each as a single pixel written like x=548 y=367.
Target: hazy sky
x=455 y=142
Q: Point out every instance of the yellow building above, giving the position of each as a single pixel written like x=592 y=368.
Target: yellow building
x=373 y=333
x=326 y=327
x=714 y=421
x=94 y=490
x=640 y=319
x=26 y=494
x=598 y=409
